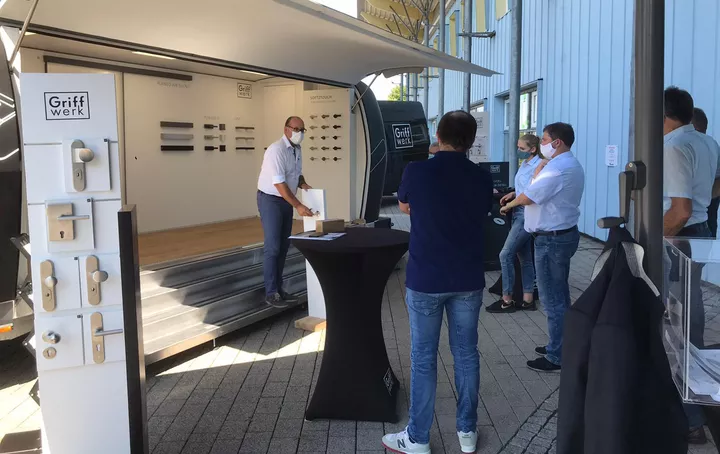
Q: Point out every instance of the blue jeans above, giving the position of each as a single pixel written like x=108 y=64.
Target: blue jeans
x=552 y=265
x=276 y=216
x=517 y=243
x=426 y=317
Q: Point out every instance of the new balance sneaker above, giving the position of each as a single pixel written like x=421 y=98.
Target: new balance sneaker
x=501 y=307
x=542 y=351
x=401 y=443
x=468 y=441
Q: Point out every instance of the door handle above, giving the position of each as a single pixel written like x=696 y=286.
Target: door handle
x=48 y=284
x=98 y=334
x=51 y=337
x=80 y=156
x=95 y=277
x=68 y=217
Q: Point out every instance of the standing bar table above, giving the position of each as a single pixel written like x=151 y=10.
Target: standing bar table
x=356 y=381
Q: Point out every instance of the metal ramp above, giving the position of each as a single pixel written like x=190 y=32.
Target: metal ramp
x=189 y=302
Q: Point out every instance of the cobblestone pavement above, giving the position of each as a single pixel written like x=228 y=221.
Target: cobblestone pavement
x=248 y=392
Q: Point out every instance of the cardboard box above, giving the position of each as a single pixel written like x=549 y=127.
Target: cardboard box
x=330 y=226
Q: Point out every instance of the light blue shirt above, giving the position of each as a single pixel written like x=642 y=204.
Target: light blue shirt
x=689 y=170
x=557 y=192
x=525 y=173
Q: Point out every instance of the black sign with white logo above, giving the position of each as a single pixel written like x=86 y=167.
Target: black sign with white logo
x=71 y=105
x=499 y=172
x=403 y=136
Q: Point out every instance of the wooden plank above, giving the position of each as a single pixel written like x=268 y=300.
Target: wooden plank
x=312 y=324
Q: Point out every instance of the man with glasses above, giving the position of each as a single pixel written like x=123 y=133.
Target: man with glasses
x=280 y=177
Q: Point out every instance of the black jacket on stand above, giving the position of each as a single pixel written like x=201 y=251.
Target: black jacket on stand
x=617 y=395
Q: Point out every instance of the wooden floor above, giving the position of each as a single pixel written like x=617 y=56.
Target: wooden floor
x=158 y=247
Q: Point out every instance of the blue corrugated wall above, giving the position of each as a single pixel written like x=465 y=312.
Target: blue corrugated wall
x=579 y=54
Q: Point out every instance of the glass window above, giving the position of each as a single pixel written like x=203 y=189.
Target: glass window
x=528 y=111
x=533 y=109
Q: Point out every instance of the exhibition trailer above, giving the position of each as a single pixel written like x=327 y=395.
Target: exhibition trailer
x=201 y=91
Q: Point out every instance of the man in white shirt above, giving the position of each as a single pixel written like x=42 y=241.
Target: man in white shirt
x=690 y=170
x=280 y=177
x=552 y=210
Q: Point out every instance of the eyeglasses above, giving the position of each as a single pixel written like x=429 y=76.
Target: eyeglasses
x=297 y=129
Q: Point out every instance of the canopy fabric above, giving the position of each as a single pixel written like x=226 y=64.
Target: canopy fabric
x=290 y=37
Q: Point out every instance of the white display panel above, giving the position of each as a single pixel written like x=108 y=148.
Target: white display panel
x=84 y=399
x=327 y=114
x=175 y=189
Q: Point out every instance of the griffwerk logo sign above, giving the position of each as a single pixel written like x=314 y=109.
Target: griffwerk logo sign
x=72 y=105
x=403 y=136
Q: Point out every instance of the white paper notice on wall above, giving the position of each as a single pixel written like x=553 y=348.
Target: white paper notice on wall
x=611 y=155
x=479 y=151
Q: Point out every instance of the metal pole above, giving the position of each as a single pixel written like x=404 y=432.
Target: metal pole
x=515 y=63
x=426 y=79
x=416 y=83
x=649 y=85
x=402 y=87
x=467 y=54
x=441 y=75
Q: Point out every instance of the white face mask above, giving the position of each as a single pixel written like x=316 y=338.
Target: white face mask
x=297 y=137
x=547 y=150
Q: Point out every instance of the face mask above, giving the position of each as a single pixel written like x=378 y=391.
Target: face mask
x=547 y=150
x=523 y=154
x=297 y=137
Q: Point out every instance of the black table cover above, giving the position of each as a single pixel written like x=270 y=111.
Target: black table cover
x=356 y=381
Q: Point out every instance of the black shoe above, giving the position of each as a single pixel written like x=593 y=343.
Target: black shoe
x=543 y=365
x=275 y=300
x=542 y=351
x=288 y=298
x=501 y=307
x=525 y=306
x=697 y=436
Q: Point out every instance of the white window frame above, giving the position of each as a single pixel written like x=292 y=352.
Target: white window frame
x=532 y=111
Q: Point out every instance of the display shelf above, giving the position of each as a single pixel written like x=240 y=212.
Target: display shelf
x=325 y=158
x=691 y=331
x=175 y=124
x=176 y=148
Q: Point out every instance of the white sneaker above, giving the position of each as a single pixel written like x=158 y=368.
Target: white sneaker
x=468 y=441
x=401 y=443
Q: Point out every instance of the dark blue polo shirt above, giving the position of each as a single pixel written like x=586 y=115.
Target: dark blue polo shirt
x=449 y=198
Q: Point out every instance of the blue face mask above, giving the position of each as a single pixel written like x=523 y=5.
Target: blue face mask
x=523 y=154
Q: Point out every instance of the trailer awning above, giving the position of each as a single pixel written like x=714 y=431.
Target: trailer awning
x=282 y=37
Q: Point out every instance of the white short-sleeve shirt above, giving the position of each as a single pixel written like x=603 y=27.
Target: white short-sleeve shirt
x=282 y=163
x=690 y=168
x=556 y=192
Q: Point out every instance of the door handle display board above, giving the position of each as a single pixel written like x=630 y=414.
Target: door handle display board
x=72 y=179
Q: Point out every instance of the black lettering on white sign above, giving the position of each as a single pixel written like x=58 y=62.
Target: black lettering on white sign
x=403 y=136
x=72 y=105
x=244 y=91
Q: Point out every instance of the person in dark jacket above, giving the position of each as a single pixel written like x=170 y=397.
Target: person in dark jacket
x=617 y=395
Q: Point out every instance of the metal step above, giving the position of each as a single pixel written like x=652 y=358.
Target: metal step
x=189 y=302
x=156 y=278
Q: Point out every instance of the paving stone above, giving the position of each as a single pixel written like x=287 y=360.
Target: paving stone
x=343 y=429
x=256 y=443
x=291 y=410
x=288 y=428
x=369 y=439
x=233 y=430
x=341 y=445
x=263 y=423
x=197 y=448
x=203 y=438
x=169 y=447
x=269 y=405
x=170 y=408
x=274 y=390
x=314 y=442
x=283 y=446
